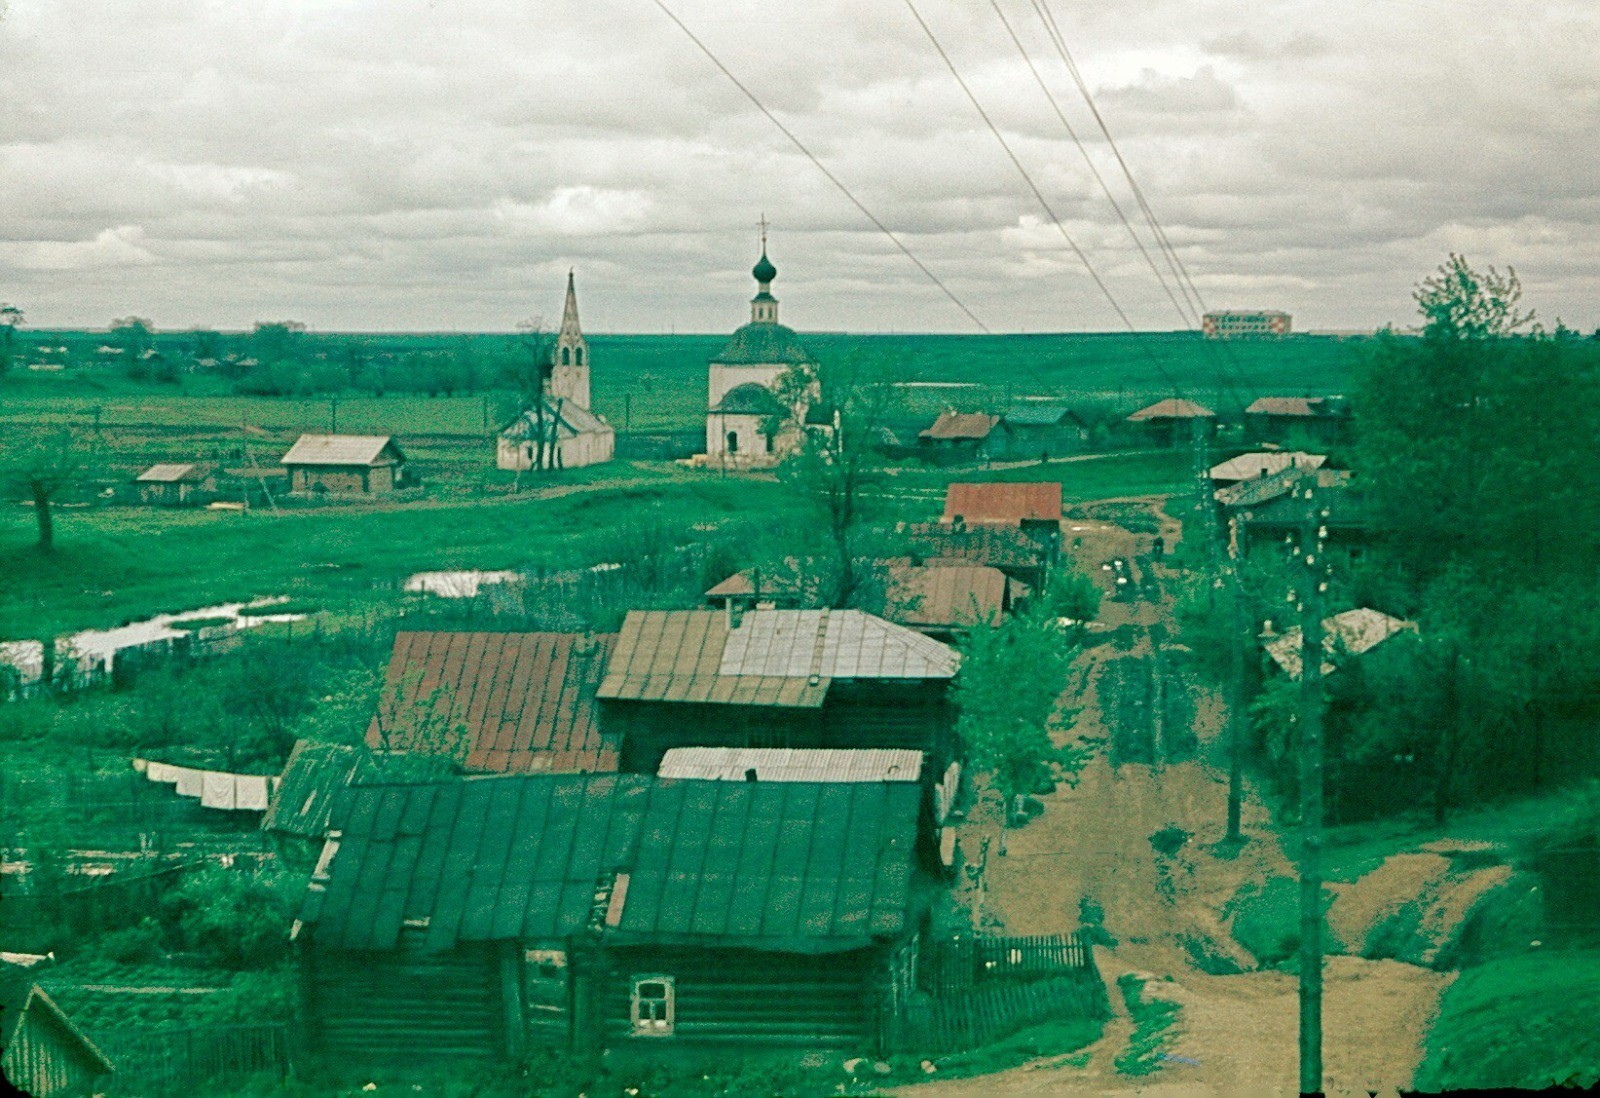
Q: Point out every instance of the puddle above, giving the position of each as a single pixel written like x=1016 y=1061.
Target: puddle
x=457 y=585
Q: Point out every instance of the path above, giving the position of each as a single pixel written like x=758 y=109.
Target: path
x=1094 y=841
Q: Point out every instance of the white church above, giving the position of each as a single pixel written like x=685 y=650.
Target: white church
x=572 y=436
x=748 y=426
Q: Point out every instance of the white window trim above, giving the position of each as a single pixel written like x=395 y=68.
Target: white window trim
x=654 y=1027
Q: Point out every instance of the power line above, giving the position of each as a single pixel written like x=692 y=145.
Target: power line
x=1043 y=202
x=809 y=155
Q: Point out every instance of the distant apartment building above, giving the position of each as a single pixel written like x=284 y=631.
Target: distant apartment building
x=1246 y=324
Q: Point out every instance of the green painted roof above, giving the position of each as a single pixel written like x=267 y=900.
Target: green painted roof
x=750 y=399
x=763 y=345
x=764 y=271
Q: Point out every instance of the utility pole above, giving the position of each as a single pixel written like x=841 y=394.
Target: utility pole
x=333 y=414
x=1237 y=637
x=1311 y=808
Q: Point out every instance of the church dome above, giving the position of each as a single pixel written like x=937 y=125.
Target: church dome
x=764 y=271
x=762 y=345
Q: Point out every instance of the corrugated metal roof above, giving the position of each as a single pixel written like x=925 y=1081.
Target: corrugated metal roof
x=312 y=779
x=524 y=701
x=958 y=595
x=1261 y=463
x=1005 y=503
x=1351 y=633
x=340 y=450
x=525 y=857
x=169 y=473
x=961 y=425
x=832 y=644
x=1172 y=408
x=1285 y=406
x=783 y=764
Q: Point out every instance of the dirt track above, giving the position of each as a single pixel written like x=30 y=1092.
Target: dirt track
x=1235 y=1031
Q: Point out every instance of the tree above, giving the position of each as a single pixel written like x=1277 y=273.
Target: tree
x=1459 y=303
x=37 y=470
x=838 y=461
x=134 y=335
x=10 y=321
x=276 y=340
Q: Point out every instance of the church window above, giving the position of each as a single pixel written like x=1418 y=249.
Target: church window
x=769 y=443
x=566 y=356
x=577 y=356
x=733 y=442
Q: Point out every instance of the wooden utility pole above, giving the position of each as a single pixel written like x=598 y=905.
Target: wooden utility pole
x=1311 y=807
x=1237 y=640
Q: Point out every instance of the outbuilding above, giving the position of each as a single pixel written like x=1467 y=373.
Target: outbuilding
x=1038 y=432
x=175 y=484
x=41 y=1052
x=958 y=436
x=1173 y=421
x=344 y=465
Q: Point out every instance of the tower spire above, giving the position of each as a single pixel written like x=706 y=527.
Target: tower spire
x=569 y=378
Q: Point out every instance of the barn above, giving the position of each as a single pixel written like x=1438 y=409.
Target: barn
x=1038 y=432
x=344 y=465
x=480 y=918
x=958 y=436
x=775 y=678
x=41 y=1052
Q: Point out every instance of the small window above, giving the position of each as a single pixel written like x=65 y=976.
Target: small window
x=566 y=356
x=577 y=356
x=653 y=1005
x=733 y=442
x=769 y=443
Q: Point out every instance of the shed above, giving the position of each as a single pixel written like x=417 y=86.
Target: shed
x=1005 y=503
x=497 y=702
x=787 y=587
x=775 y=678
x=959 y=436
x=1174 y=419
x=344 y=464
x=1039 y=432
x=477 y=918
x=1352 y=633
x=41 y=1052
x=174 y=484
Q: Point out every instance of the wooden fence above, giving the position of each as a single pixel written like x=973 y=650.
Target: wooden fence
x=982 y=1015
x=163 y=1061
x=956 y=964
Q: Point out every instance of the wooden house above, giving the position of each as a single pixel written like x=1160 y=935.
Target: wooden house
x=175 y=484
x=946 y=600
x=1020 y=554
x=1262 y=463
x=1038 y=432
x=957 y=437
x=775 y=678
x=497 y=703
x=41 y=1052
x=1174 y=421
x=1033 y=506
x=1278 y=419
x=480 y=918
x=344 y=465
x=1271 y=513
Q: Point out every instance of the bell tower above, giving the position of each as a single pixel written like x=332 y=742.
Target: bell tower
x=569 y=365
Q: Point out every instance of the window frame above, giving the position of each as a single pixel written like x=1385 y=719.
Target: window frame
x=653 y=1027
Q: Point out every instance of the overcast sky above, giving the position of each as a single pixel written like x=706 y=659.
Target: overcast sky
x=439 y=164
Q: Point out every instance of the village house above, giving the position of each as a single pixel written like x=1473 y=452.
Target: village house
x=1262 y=463
x=958 y=437
x=1270 y=512
x=497 y=703
x=1020 y=554
x=344 y=465
x=1174 y=421
x=559 y=431
x=775 y=678
x=41 y=1052
x=1037 y=432
x=785 y=588
x=1277 y=419
x=480 y=918
x=946 y=600
x=175 y=484
x=1352 y=633
x=1033 y=506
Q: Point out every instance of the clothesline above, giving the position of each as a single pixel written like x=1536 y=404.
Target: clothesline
x=214 y=788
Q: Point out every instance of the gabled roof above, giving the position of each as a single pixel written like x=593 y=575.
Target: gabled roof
x=961 y=425
x=1351 y=633
x=1253 y=493
x=788 y=865
x=523 y=701
x=789 y=764
x=1285 y=406
x=787 y=583
x=171 y=473
x=998 y=546
x=762 y=344
x=341 y=450
x=1003 y=503
x=772 y=657
x=1336 y=494
x=311 y=781
x=563 y=419
x=1041 y=415
x=1172 y=408
x=1261 y=463
x=750 y=399
x=20 y=996
x=956 y=596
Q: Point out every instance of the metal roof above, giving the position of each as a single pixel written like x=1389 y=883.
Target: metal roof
x=340 y=450
x=526 y=856
x=959 y=595
x=1172 y=408
x=762 y=344
x=1262 y=463
x=961 y=425
x=1286 y=406
x=832 y=644
x=782 y=764
x=750 y=399
x=563 y=420
x=1002 y=502
x=524 y=701
x=312 y=779
x=1351 y=633
x=169 y=473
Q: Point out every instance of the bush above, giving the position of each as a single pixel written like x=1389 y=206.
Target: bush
x=232 y=918
x=1266 y=919
x=134 y=945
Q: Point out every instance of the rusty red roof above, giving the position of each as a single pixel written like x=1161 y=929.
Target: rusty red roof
x=961 y=425
x=524 y=702
x=1002 y=504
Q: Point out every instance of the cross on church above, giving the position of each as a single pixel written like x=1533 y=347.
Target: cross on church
x=763 y=225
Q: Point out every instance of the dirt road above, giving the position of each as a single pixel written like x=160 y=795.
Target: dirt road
x=1234 y=1031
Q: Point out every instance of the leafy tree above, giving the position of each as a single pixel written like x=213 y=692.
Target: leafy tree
x=134 y=335
x=277 y=340
x=10 y=320
x=38 y=468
